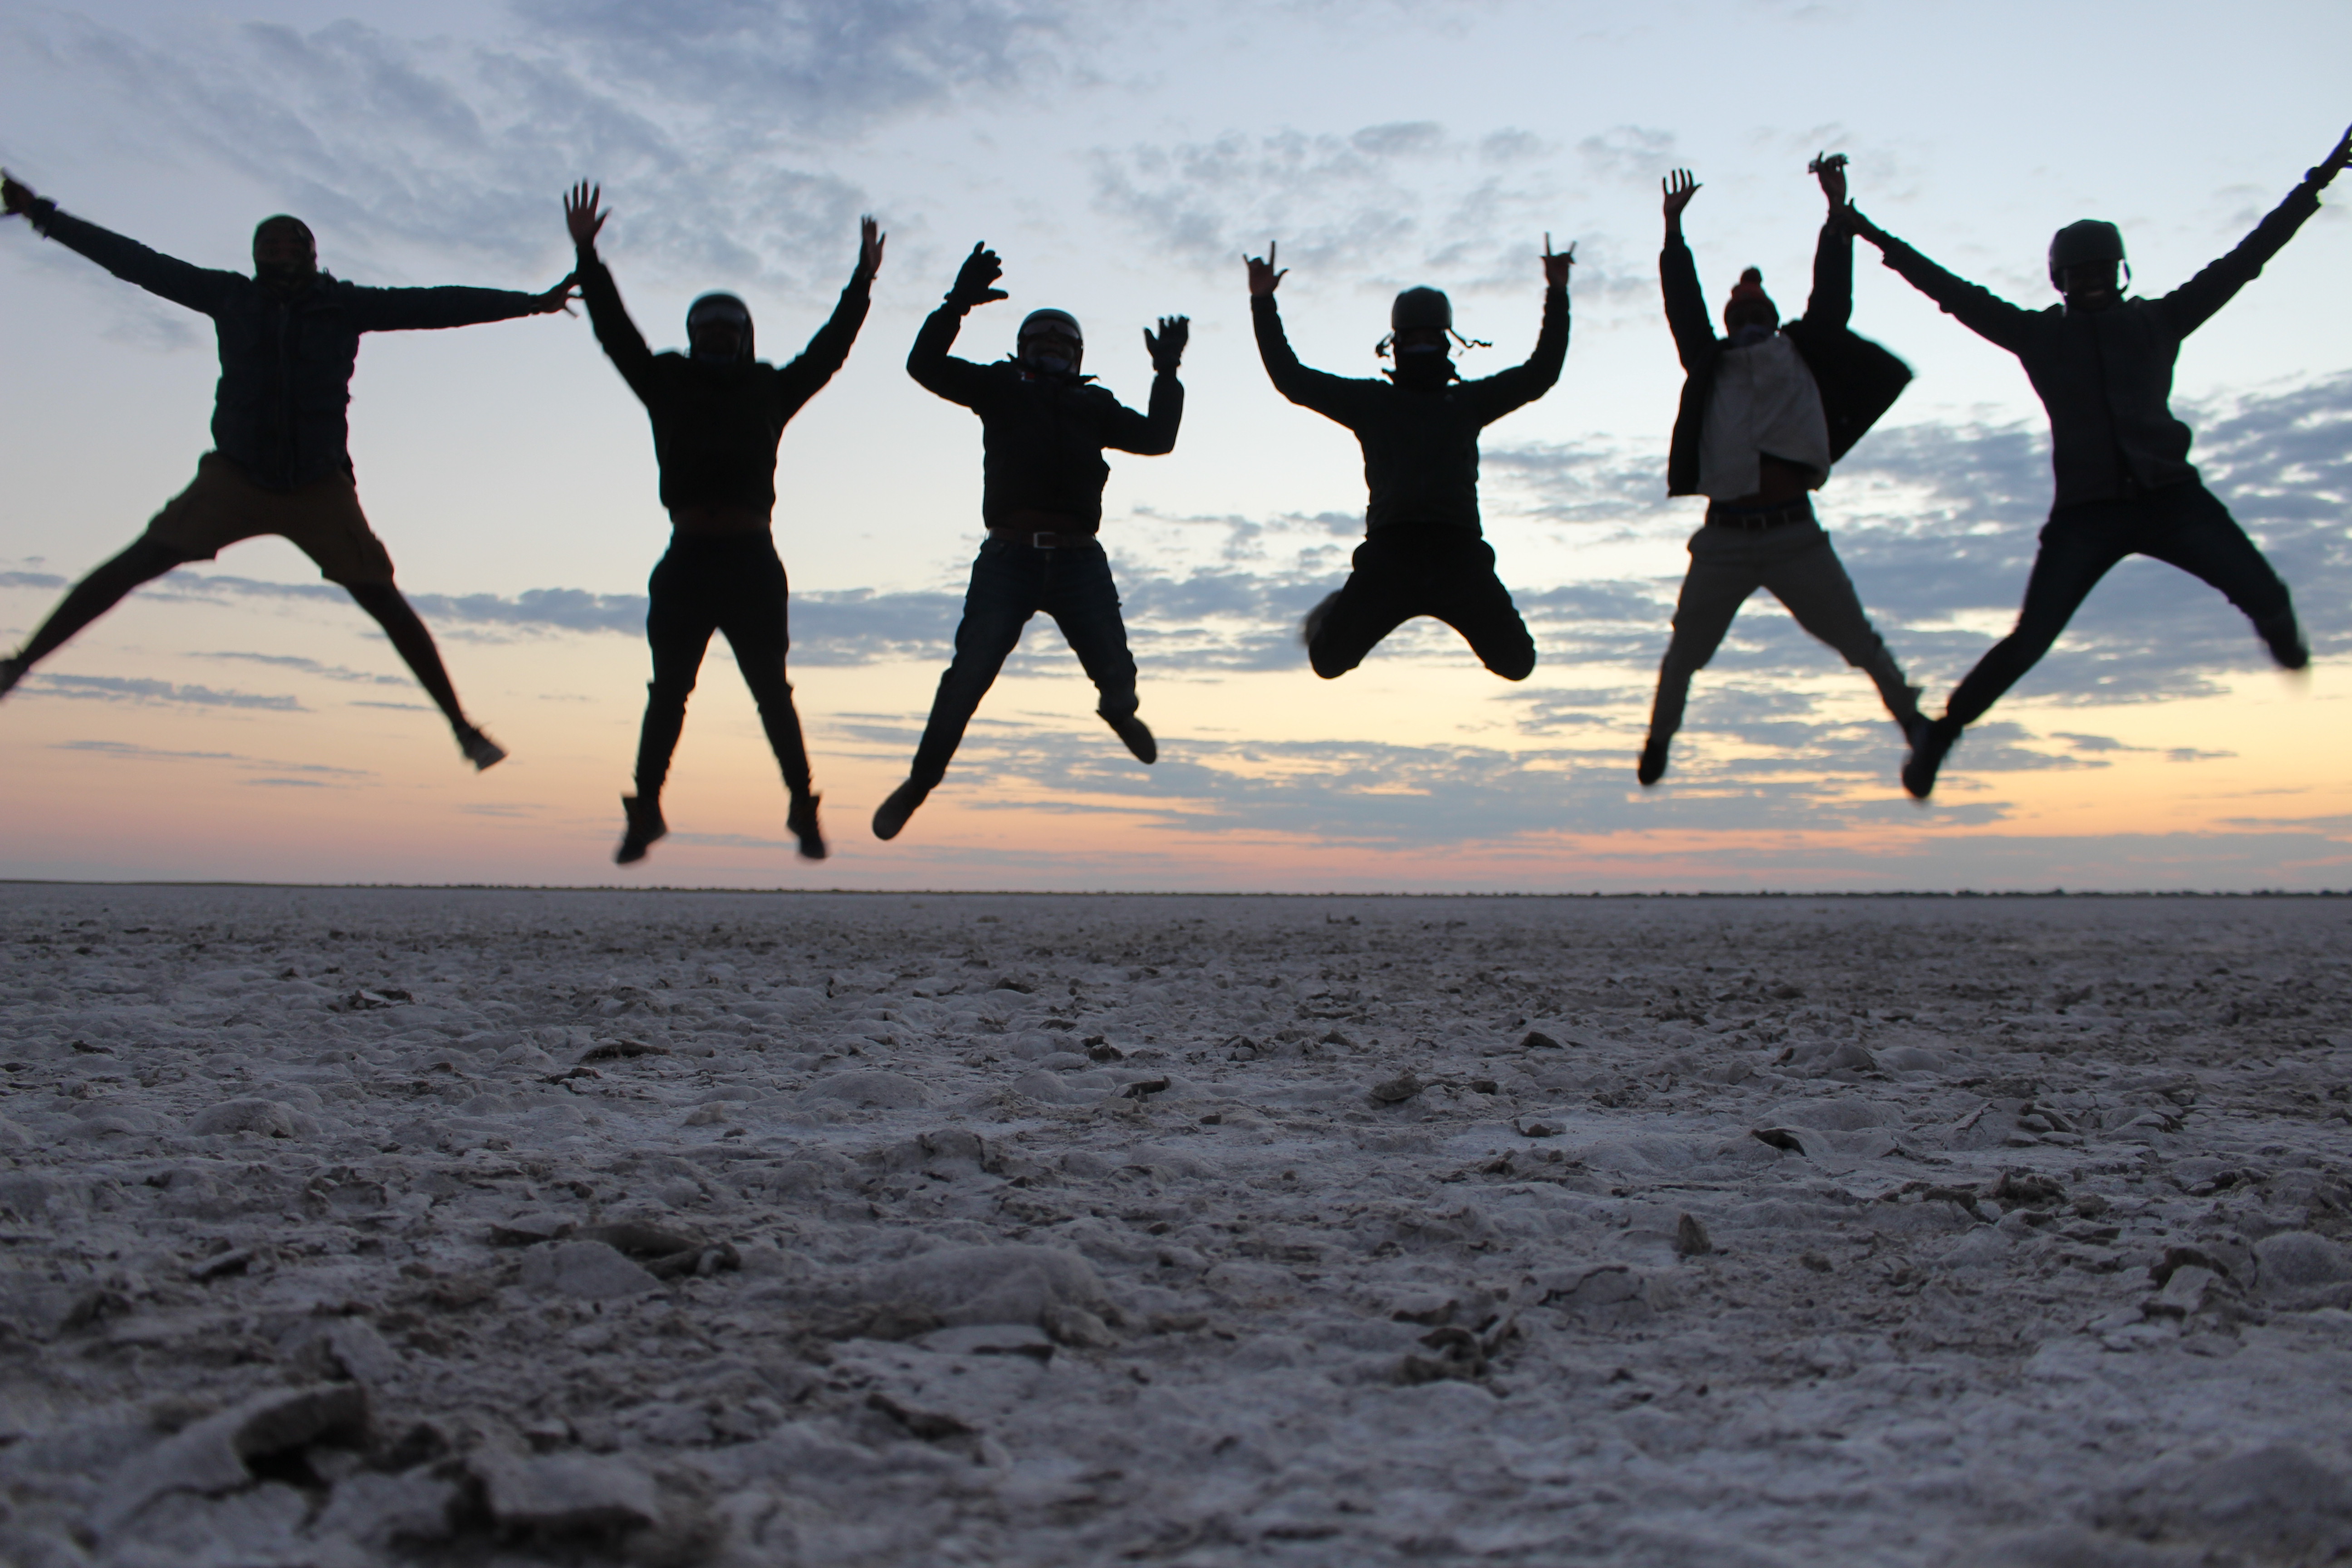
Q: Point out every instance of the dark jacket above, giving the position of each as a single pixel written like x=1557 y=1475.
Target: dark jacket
x=1041 y=436
x=286 y=365
x=716 y=425
x=1859 y=381
x=2105 y=376
x=1421 y=444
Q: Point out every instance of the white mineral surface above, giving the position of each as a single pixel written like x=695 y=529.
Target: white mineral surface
x=376 y=1227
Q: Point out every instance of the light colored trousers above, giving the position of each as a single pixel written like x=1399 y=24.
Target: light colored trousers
x=1796 y=561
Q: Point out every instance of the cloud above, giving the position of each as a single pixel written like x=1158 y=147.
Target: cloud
x=316 y=773
x=311 y=667
x=121 y=688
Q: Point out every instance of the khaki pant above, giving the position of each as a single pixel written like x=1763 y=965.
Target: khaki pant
x=322 y=520
x=1796 y=562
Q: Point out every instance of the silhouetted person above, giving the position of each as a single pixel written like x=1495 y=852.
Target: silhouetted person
x=289 y=336
x=1423 y=553
x=718 y=414
x=1044 y=430
x=1764 y=414
x=2101 y=364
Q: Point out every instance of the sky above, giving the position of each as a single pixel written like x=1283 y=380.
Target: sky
x=240 y=719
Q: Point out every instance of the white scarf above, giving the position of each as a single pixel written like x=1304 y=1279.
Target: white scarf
x=1764 y=402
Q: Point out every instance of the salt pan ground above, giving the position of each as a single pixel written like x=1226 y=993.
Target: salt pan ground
x=373 y=1227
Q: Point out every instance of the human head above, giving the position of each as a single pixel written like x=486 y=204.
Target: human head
x=1419 y=323
x=1750 y=306
x=2086 y=258
x=718 y=329
x=285 y=253
x=1051 y=341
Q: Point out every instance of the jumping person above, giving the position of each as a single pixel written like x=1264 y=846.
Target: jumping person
x=1044 y=429
x=289 y=336
x=717 y=414
x=1423 y=553
x=2101 y=364
x=1764 y=414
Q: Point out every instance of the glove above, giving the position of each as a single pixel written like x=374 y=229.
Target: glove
x=1168 y=348
x=975 y=280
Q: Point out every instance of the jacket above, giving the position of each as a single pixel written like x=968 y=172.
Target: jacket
x=1421 y=444
x=2105 y=376
x=1859 y=381
x=716 y=426
x=279 y=410
x=1042 y=436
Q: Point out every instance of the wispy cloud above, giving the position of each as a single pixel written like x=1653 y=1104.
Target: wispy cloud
x=319 y=774
x=126 y=688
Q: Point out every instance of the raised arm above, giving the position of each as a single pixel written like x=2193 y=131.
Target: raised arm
x=419 y=310
x=2192 y=304
x=1325 y=393
x=1498 y=393
x=197 y=288
x=1686 y=315
x=829 y=348
x=616 y=333
x=1832 y=304
x=1153 y=433
x=1980 y=310
x=928 y=362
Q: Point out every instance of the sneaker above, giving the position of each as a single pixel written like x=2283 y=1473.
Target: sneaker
x=892 y=814
x=2280 y=632
x=645 y=828
x=1136 y=733
x=1933 y=739
x=12 y=670
x=480 y=750
x=1653 y=766
x=802 y=820
x=1312 y=627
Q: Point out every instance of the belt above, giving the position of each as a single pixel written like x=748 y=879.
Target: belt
x=1043 y=539
x=1761 y=518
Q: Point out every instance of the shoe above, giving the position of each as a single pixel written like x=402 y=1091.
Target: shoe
x=12 y=670
x=480 y=750
x=892 y=814
x=645 y=828
x=2280 y=632
x=1653 y=766
x=1312 y=627
x=802 y=820
x=1136 y=733
x=1933 y=739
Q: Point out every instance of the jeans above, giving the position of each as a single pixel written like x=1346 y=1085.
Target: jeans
x=731 y=583
x=1408 y=570
x=1796 y=562
x=2181 y=525
x=1009 y=582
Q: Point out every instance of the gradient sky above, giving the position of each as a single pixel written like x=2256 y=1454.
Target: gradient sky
x=241 y=720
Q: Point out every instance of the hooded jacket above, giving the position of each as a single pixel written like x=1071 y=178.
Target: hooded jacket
x=2105 y=376
x=1420 y=443
x=1859 y=381
x=279 y=410
x=716 y=426
x=1042 y=435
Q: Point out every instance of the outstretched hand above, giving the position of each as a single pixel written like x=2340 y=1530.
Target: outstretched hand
x=559 y=298
x=1556 y=266
x=1851 y=216
x=15 y=196
x=975 y=281
x=870 y=240
x=2329 y=166
x=1829 y=168
x=1679 y=188
x=580 y=217
x=1262 y=278
x=1167 y=350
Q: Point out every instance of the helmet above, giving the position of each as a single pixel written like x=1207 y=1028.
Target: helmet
x=1051 y=321
x=1421 y=308
x=2084 y=241
x=720 y=307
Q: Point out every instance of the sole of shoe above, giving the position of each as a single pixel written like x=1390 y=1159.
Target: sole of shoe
x=482 y=752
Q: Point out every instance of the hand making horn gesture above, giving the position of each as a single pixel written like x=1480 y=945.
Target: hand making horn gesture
x=1263 y=276
x=1556 y=267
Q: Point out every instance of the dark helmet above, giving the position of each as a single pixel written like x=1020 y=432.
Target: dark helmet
x=1051 y=321
x=720 y=307
x=2083 y=242
x=1421 y=308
